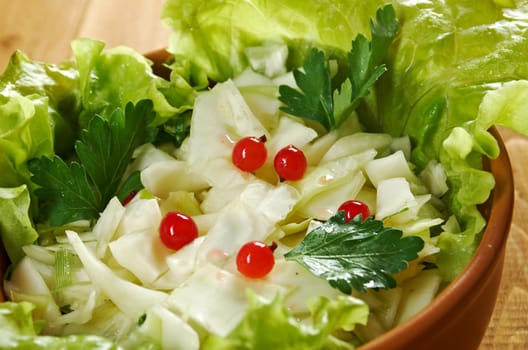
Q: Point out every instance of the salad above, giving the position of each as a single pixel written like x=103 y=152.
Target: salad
x=286 y=185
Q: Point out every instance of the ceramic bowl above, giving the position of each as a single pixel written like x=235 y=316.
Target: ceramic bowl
x=459 y=316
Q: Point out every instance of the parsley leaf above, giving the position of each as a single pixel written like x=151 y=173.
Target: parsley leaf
x=366 y=58
x=175 y=130
x=383 y=32
x=342 y=98
x=131 y=185
x=81 y=190
x=66 y=194
x=315 y=98
x=106 y=147
x=314 y=101
x=357 y=254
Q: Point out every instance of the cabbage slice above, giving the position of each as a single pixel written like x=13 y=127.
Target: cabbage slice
x=130 y=298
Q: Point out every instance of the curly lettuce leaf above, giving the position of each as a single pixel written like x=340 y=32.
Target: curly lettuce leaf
x=18 y=331
x=25 y=132
x=44 y=106
x=449 y=57
x=504 y=106
x=272 y=326
x=16 y=227
x=57 y=84
x=111 y=78
x=209 y=38
x=37 y=102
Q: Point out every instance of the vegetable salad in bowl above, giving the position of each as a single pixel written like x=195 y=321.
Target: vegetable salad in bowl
x=283 y=186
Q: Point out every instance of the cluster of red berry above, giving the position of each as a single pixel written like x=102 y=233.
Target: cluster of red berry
x=250 y=153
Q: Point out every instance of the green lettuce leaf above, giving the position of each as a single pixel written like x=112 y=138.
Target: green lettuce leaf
x=16 y=227
x=271 y=326
x=44 y=106
x=449 y=57
x=37 y=101
x=504 y=106
x=111 y=78
x=18 y=331
x=209 y=37
x=25 y=132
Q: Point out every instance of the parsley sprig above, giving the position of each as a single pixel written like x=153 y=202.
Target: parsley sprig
x=314 y=100
x=356 y=254
x=81 y=189
x=317 y=100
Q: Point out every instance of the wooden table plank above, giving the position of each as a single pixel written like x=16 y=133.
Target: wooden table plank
x=508 y=327
x=133 y=23
x=44 y=29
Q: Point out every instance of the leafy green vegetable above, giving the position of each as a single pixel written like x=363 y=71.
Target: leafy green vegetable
x=271 y=326
x=106 y=147
x=357 y=254
x=44 y=106
x=209 y=37
x=16 y=229
x=315 y=100
x=22 y=118
x=111 y=78
x=41 y=93
x=63 y=268
x=366 y=58
x=18 y=331
x=448 y=58
x=66 y=194
x=70 y=192
x=130 y=186
x=505 y=106
x=175 y=130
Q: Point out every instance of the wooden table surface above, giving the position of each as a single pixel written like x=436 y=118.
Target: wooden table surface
x=43 y=29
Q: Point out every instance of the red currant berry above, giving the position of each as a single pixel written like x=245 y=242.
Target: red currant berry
x=352 y=208
x=129 y=198
x=255 y=259
x=177 y=230
x=249 y=153
x=290 y=163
